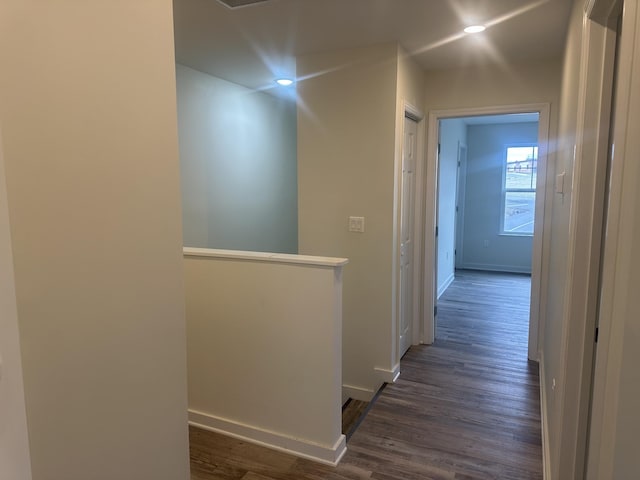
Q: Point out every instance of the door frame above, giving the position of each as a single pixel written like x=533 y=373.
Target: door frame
x=461 y=184
x=412 y=114
x=540 y=256
x=617 y=302
x=411 y=111
x=585 y=247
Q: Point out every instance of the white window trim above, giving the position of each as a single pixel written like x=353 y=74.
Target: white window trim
x=504 y=192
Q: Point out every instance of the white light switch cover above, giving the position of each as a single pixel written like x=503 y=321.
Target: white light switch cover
x=356 y=224
x=560 y=183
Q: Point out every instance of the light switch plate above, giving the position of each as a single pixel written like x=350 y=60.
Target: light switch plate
x=560 y=183
x=356 y=224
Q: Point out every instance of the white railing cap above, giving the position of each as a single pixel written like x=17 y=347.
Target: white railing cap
x=265 y=257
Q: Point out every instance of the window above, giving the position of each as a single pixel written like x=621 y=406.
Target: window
x=520 y=168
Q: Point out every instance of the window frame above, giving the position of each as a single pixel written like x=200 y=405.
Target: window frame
x=505 y=190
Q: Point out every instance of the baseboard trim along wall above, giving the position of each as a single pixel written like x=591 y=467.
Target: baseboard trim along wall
x=328 y=455
x=357 y=393
x=388 y=376
x=546 y=465
x=446 y=284
x=495 y=268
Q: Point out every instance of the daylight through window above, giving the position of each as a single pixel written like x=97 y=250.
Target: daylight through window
x=521 y=166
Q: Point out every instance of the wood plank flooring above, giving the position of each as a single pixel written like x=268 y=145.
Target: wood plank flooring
x=353 y=412
x=466 y=407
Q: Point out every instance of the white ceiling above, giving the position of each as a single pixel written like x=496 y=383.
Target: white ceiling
x=252 y=45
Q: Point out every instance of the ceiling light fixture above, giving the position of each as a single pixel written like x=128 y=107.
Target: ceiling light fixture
x=285 y=82
x=475 y=29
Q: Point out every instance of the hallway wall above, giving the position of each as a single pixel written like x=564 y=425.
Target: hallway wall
x=88 y=115
x=238 y=165
x=453 y=133
x=15 y=460
x=349 y=154
x=346 y=135
x=554 y=335
x=484 y=246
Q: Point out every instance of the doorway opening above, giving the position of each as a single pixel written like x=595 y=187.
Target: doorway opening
x=486 y=174
x=487 y=168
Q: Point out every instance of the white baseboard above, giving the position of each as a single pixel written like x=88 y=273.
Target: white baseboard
x=495 y=268
x=366 y=394
x=446 y=284
x=329 y=455
x=546 y=461
x=357 y=393
x=388 y=376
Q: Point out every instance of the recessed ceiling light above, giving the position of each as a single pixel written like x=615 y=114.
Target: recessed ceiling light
x=475 y=29
x=285 y=82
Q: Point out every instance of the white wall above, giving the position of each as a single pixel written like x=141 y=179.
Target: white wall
x=410 y=90
x=626 y=462
x=530 y=82
x=346 y=155
x=527 y=83
x=350 y=137
x=453 y=133
x=502 y=86
x=483 y=200
x=553 y=335
x=410 y=95
x=622 y=382
x=568 y=336
x=87 y=107
x=613 y=424
x=264 y=348
x=238 y=165
x=15 y=462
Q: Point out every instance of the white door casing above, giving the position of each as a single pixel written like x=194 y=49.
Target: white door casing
x=407 y=207
x=611 y=448
x=460 y=186
x=540 y=259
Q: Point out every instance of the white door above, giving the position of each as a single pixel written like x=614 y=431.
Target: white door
x=460 y=186
x=406 y=232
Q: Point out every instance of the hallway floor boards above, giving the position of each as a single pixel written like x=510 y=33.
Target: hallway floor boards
x=466 y=407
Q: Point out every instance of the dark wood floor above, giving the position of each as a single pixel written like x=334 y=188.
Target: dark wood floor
x=353 y=412
x=466 y=407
